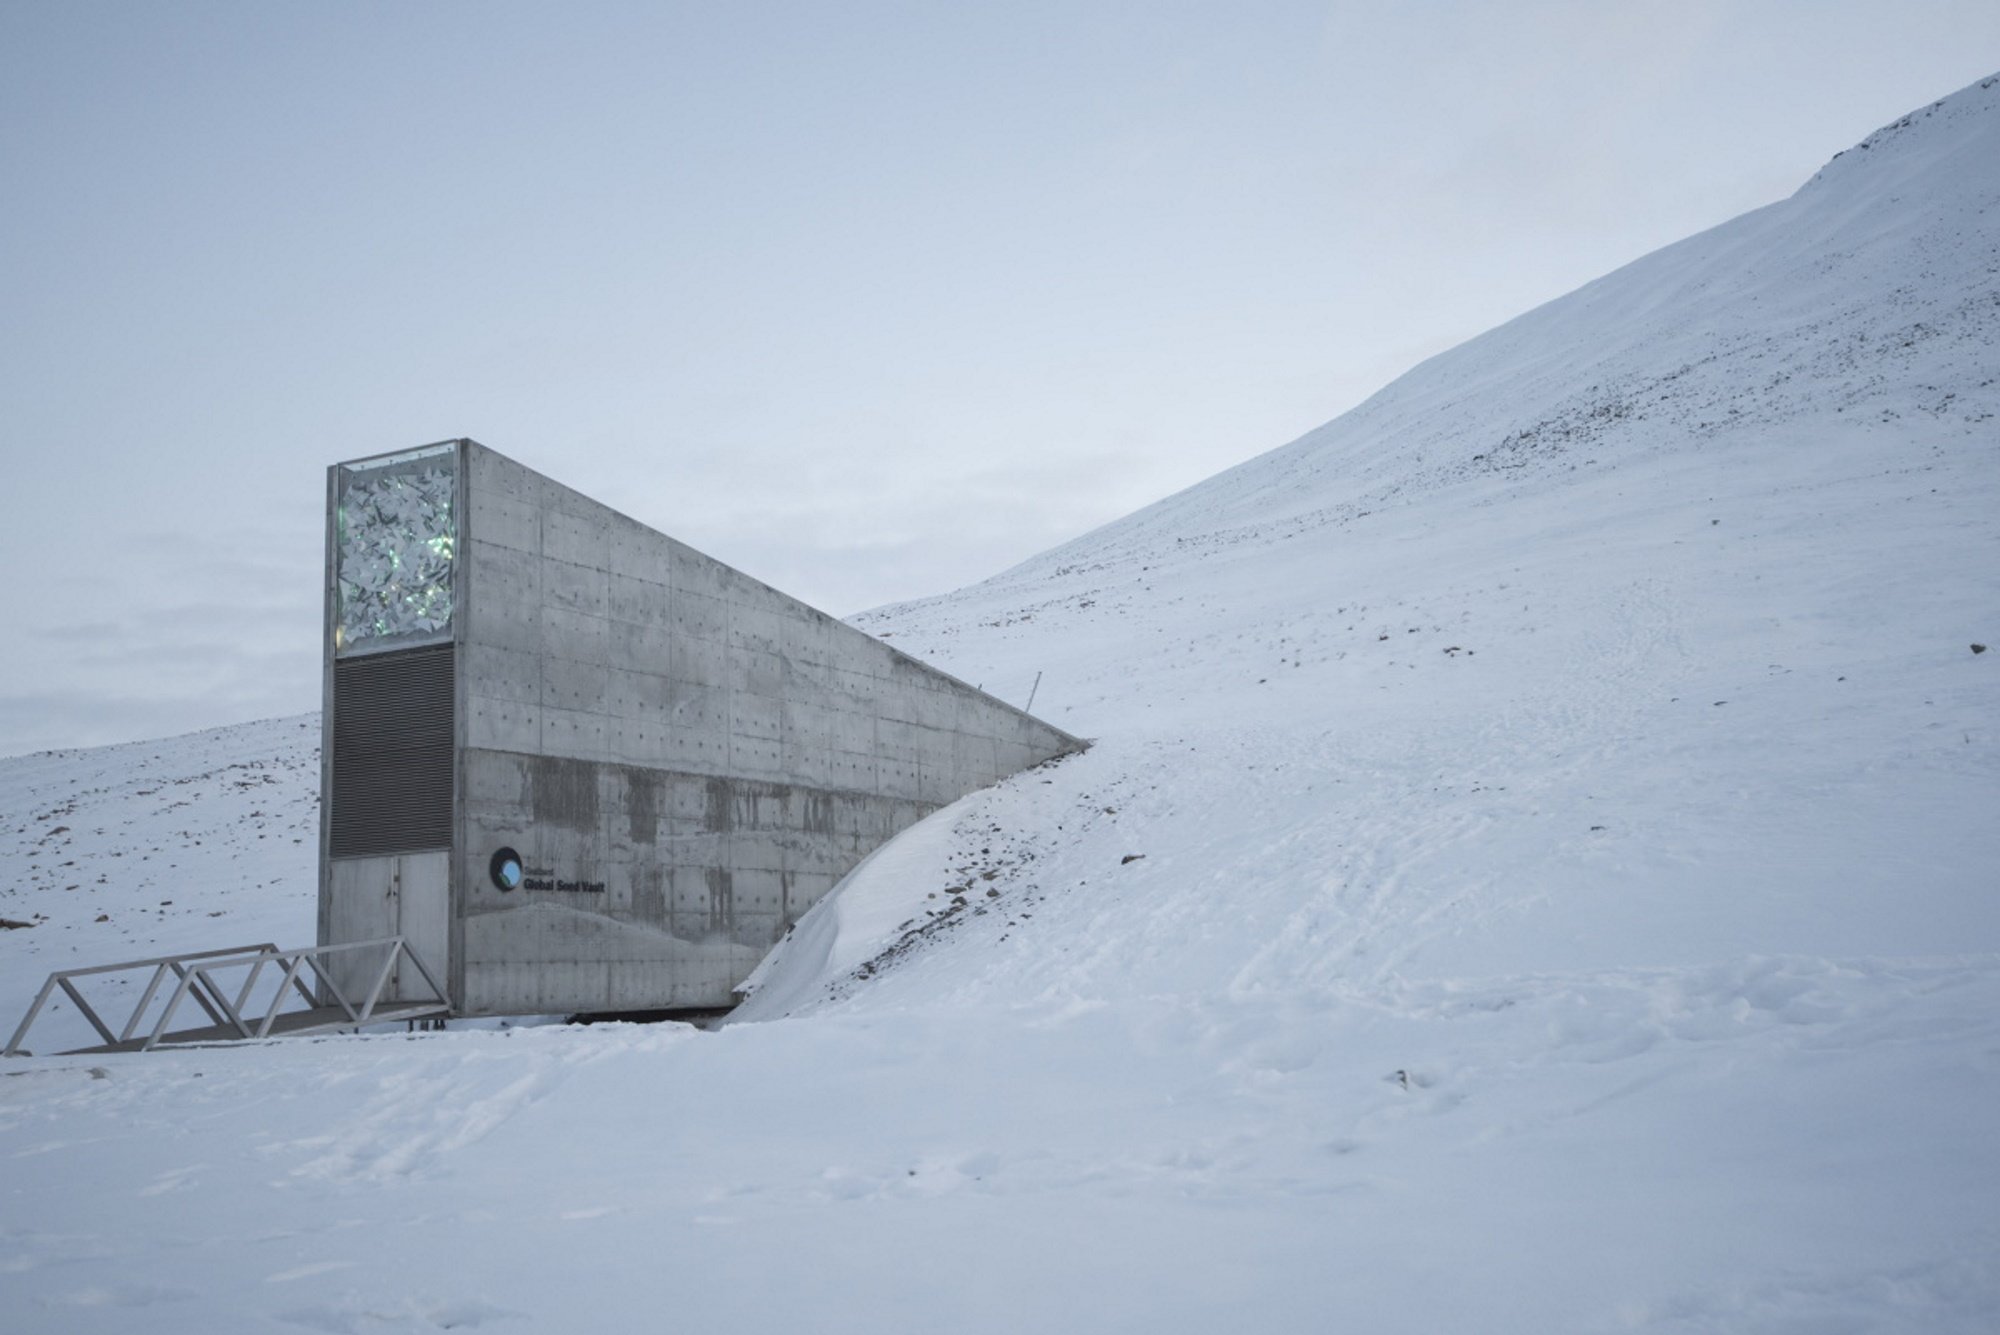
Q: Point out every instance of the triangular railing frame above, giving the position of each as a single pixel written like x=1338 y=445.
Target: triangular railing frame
x=194 y=975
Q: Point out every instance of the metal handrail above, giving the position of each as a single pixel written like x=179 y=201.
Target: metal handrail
x=159 y=963
x=195 y=977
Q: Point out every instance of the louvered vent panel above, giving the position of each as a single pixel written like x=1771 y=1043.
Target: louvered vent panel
x=391 y=753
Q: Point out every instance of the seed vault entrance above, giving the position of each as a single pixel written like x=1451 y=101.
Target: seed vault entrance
x=580 y=767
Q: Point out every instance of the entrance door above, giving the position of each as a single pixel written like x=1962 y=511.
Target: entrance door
x=406 y=895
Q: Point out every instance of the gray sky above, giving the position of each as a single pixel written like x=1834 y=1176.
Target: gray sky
x=870 y=300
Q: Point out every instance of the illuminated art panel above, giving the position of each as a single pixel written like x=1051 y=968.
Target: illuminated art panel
x=395 y=536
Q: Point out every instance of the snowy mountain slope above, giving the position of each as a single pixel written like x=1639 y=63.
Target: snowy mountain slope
x=1641 y=625
x=187 y=843
x=1535 y=873
x=1870 y=293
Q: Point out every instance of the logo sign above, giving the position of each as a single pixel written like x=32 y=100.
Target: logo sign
x=509 y=872
x=506 y=869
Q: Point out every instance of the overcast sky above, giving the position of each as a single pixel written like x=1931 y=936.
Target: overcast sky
x=869 y=300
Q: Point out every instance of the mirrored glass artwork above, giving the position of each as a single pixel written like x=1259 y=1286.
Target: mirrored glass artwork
x=396 y=534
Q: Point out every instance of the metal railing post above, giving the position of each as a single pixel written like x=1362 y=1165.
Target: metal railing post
x=145 y=1000
x=41 y=999
x=84 y=1006
x=173 y=1004
x=291 y=976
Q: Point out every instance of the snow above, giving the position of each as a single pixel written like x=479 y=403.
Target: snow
x=1535 y=872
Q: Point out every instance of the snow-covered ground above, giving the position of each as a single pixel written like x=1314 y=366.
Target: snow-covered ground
x=1538 y=871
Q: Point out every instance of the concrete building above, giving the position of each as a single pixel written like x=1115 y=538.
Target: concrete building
x=581 y=767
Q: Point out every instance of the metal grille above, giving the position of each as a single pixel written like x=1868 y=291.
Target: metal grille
x=392 y=753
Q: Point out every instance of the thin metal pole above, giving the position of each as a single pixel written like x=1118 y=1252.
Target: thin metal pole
x=88 y=1013
x=381 y=979
x=299 y=958
x=201 y=998
x=291 y=976
x=167 y=1015
x=250 y=983
x=325 y=978
x=235 y=1018
x=209 y=994
x=41 y=999
x=411 y=955
x=1029 y=707
x=139 y=1011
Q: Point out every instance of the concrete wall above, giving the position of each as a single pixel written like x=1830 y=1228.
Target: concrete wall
x=691 y=757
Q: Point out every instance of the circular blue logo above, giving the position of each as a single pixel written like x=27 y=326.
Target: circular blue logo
x=506 y=869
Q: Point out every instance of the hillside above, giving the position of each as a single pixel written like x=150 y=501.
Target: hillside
x=185 y=843
x=1634 y=632
x=1534 y=873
